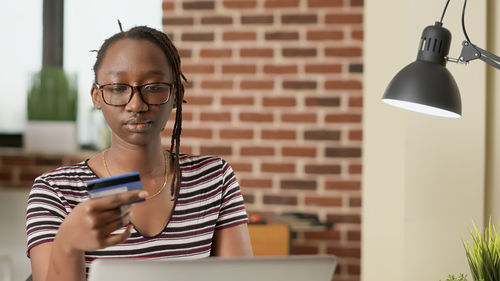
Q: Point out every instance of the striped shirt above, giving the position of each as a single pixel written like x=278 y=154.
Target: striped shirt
x=209 y=199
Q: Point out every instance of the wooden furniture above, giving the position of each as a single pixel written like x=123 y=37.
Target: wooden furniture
x=270 y=239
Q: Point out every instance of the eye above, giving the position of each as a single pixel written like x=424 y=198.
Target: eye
x=156 y=88
x=116 y=89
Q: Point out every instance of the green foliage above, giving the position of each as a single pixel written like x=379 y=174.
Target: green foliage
x=483 y=254
x=451 y=277
x=52 y=96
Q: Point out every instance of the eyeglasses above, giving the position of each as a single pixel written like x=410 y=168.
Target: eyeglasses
x=118 y=94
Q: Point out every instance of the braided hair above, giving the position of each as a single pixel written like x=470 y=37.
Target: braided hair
x=161 y=40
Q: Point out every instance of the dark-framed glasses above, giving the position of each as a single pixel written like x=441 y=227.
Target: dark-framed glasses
x=119 y=94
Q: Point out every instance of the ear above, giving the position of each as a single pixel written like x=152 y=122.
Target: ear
x=96 y=98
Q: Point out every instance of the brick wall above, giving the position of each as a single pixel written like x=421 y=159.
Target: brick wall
x=275 y=88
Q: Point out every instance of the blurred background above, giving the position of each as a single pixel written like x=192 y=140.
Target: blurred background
x=288 y=92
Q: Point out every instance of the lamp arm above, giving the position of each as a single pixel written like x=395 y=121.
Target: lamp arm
x=472 y=52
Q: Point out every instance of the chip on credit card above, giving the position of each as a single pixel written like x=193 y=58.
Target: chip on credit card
x=114 y=185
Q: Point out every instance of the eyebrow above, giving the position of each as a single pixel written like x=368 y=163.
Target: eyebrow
x=148 y=72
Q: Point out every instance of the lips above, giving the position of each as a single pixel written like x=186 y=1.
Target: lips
x=138 y=125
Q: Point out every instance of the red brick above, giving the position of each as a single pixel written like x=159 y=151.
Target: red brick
x=343 y=85
x=167 y=6
x=256 y=151
x=356 y=135
x=343 y=152
x=236 y=134
x=239 y=35
x=238 y=68
x=218 y=20
x=299 y=85
x=185 y=149
x=29 y=176
x=216 y=150
x=248 y=198
x=299 y=52
x=323 y=169
x=343 y=52
x=276 y=102
x=355 y=102
x=198 y=68
x=299 y=151
x=257 y=85
x=323 y=101
x=281 y=36
x=240 y=4
x=354 y=269
x=280 y=69
x=354 y=235
x=277 y=168
x=304 y=250
x=279 y=200
x=48 y=161
x=214 y=84
x=323 y=68
x=178 y=21
x=6 y=175
x=196 y=133
x=256 y=117
x=355 y=202
x=355 y=169
x=237 y=101
x=357 y=34
x=197 y=100
x=198 y=5
x=324 y=3
x=257 y=19
x=17 y=161
x=345 y=252
x=344 y=18
x=278 y=134
x=344 y=218
x=256 y=52
x=215 y=116
x=241 y=167
x=281 y=3
x=343 y=118
x=357 y=3
x=343 y=185
x=323 y=135
x=299 y=19
x=215 y=53
x=324 y=35
x=329 y=235
x=356 y=68
x=197 y=36
x=323 y=201
x=185 y=53
x=298 y=184
x=255 y=183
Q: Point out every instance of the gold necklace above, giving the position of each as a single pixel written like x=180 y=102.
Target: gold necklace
x=159 y=190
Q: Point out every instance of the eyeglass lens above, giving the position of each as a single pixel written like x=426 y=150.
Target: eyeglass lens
x=120 y=94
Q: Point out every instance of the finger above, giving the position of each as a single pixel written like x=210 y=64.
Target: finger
x=118 y=238
x=117 y=200
x=107 y=216
x=115 y=224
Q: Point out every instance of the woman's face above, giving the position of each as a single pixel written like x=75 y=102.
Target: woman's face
x=134 y=62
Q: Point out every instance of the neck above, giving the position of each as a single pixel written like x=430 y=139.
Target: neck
x=147 y=159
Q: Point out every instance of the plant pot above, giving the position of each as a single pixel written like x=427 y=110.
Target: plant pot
x=57 y=137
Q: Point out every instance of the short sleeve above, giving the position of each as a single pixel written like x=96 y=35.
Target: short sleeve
x=232 y=211
x=44 y=214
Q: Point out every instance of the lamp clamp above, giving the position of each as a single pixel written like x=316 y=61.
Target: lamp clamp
x=472 y=52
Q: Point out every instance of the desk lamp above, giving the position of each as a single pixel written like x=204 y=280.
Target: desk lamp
x=426 y=86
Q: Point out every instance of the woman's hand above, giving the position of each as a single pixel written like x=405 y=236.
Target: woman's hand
x=89 y=226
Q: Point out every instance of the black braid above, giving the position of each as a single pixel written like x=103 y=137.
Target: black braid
x=161 y=40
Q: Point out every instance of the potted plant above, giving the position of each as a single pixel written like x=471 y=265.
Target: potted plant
x=483 y=254
x=51 y=108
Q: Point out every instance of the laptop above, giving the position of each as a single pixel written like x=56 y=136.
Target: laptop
x=288 y=268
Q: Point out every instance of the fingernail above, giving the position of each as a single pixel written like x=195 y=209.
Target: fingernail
x=126 y=219
x=143 y=194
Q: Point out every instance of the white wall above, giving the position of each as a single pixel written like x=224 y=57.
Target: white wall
x=424 y=176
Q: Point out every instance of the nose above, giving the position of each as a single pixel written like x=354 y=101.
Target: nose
x=136 y=103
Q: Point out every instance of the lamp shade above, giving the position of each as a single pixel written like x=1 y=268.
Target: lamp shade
x=426 y=86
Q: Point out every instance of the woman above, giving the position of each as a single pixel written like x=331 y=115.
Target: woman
x=138 y=83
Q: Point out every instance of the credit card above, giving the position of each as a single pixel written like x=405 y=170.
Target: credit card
x=114 y=185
